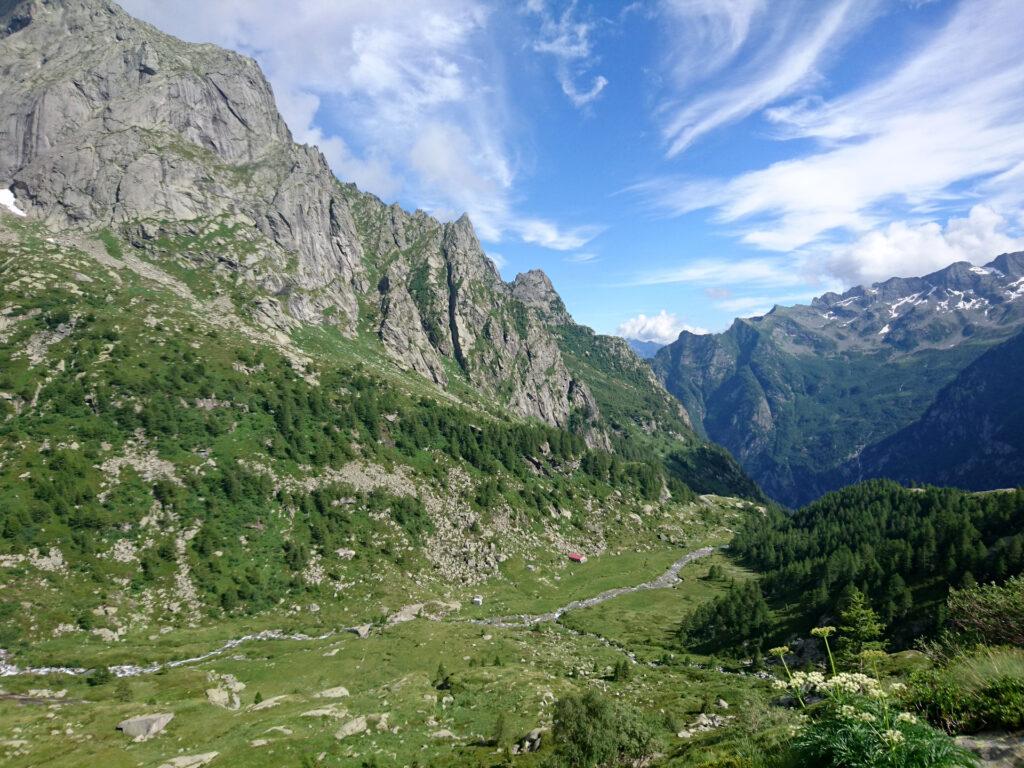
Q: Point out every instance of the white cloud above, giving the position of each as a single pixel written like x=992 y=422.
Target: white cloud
x=719 y=272
x=779 y=59
x=402 y=96
x=568 y=40
x=540 y=232
x=941 y=130
x=582 y=258
x=499 y=259
x=663 y=328
x=904 y=249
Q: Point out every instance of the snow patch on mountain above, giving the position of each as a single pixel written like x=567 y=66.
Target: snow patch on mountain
x=7 y=201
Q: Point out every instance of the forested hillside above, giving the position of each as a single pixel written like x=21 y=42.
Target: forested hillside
x=903 y=548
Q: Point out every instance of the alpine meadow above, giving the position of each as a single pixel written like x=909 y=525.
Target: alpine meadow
x=305 y=461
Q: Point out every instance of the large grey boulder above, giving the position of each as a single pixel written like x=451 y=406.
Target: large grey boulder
x=996 y=750
x=142 y=727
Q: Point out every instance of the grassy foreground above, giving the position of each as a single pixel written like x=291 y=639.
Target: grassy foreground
x=392 y=680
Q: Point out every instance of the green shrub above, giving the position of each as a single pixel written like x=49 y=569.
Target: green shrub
x=1001 y=704
x=591 y=730
x=974 y=691
x=990 y=613
x=100 y=676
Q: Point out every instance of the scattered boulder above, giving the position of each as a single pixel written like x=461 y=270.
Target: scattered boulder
x=443 y=734
x=282 y=729
x=722 y=704
x=223 y=698
x=338 y=692
x=334 y=710
x=142 y=727
x=351 y=728
x=362 y=630
x=225 y=695
x=190 y=761
x=996 y=750
x=273 y=701
x=529 y=743
x=705 y=722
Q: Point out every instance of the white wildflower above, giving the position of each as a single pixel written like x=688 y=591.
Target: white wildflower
x=893 y=738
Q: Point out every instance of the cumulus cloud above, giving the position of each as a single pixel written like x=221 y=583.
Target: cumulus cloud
x=904 y=249
x=568 y=40
x=663 y=328
x=404 y=97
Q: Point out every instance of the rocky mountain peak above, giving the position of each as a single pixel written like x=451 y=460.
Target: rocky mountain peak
x=1010 y=264
x=106 y=122
x=534 y=289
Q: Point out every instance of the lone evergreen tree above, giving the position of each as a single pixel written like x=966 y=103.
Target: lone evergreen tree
x=502 y=732
x=860 y=629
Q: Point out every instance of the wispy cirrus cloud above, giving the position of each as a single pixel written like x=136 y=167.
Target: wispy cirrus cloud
x=404 y=98
x=771 y=53
x=569 y=40
x=890 y=163
x=582 y=258
x=721 y=272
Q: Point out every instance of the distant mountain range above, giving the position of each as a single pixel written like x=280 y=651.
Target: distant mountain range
x=812 y=397
x=645 y=349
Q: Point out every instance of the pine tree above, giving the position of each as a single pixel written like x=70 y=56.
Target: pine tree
x=860 y=629
x=502 y=733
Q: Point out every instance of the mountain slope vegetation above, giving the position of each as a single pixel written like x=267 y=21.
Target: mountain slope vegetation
x=803 y=395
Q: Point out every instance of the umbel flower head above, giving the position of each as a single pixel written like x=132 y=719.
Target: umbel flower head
x=781 y=650
x=893 y=738
x=823 y=631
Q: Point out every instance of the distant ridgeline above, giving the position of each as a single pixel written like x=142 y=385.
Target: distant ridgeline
x=903 y=548
x=913 y=379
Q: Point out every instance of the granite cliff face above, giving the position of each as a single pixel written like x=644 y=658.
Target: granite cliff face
x=806 y=396
x=441 y=308
x=107 y=122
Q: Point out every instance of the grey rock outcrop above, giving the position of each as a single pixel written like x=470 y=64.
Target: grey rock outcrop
x=142 y=727
x=534 y=289
x=119 y=123
x=996 y=750
x=440 y=298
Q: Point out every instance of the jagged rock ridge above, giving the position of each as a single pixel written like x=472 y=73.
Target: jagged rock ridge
x=120 y=125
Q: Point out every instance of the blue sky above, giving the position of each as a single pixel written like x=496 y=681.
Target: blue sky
x=670 y=163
